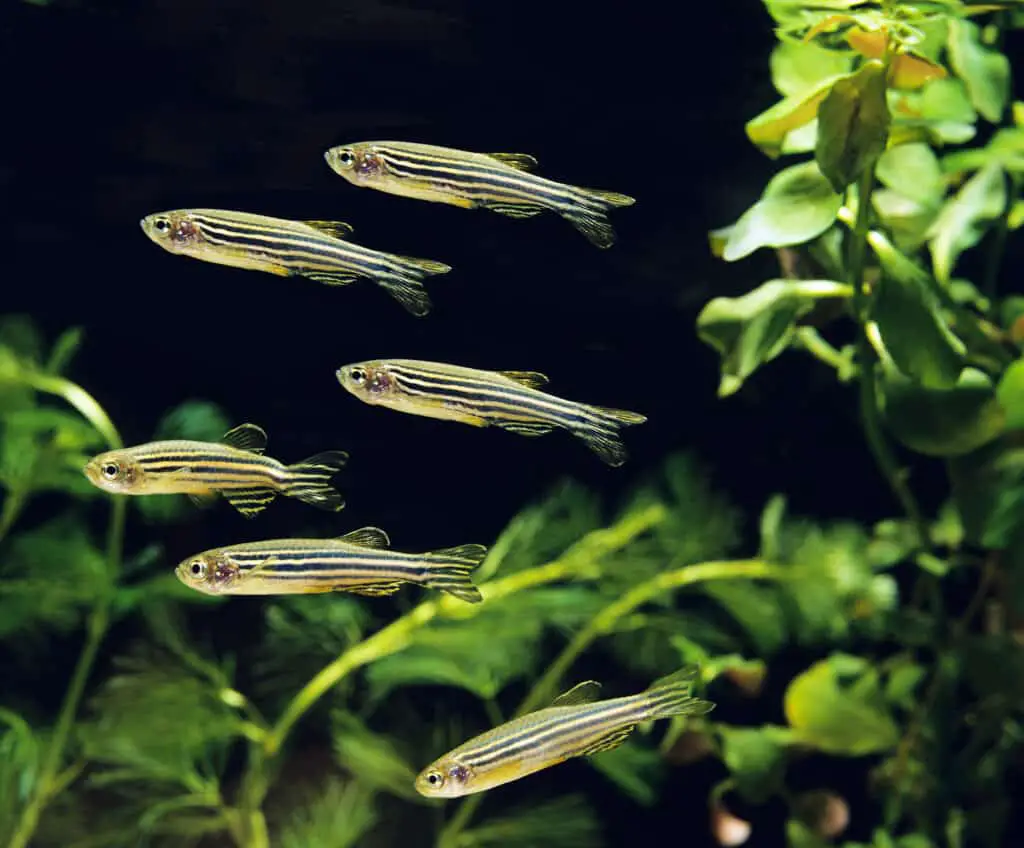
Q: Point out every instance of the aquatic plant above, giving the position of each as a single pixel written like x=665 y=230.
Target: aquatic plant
x=863 y=646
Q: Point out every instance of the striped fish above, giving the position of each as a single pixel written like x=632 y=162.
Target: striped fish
x=575 y=725
x=511 y=400
x=319 y=250
x=358 y=562
x=234 y=468
x=501 y=182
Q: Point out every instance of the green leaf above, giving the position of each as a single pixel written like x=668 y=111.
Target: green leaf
x=797 y=205
x=1010 y=393
x=20 y=757
x=341 y=817
x=965 y=217
x=913 y=171
x=64 y=350
x=914 y=331
x=827 y=715
x=799 y=835
x=755 y=609
x=371 y=758
x=800 y=66
x=756 y=758
x=770 y=129
x=635 y=769
x=985 y=71
x=941 y=422
x=752 y=330
x=853 y=125
x=565 y=822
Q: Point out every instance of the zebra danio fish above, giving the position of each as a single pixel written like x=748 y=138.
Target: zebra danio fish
x=360 y=562
x=234 y=468
x=576 y=724
x=510 y=400
x=319 y=250
x=501 y=182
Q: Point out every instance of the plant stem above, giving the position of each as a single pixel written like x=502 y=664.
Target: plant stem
x=603 y=624
x=580 y=561
x=49 y=779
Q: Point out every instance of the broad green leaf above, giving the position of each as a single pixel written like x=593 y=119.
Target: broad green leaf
x=769 y=129
x=906 y=220
x=341 y=817
x=752 y=330
x=942 y=422
x=985 y=71
x=913 y=171
x=756 y=758
x=914 y=331
x=908 y=71
x=797 y=205
x=1005 y=149
x=800 y=66
x=853 y=125
x=965 y=217
x=371 y=758
x=827 y=715
x=1010 y=392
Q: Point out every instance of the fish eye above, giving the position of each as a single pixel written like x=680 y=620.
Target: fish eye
x=162 y=225
x=110 y=470
x=358 y=376
x=197 y=568
x=435 y=779
x=346 y=158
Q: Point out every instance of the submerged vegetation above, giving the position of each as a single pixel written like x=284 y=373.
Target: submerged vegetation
x=890 y=233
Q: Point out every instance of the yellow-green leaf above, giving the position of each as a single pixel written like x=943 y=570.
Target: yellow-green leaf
x=986 y=72
x=1011 y=395
x=769 y=129
x=798 y=67
x=965 y=217
x=908 y=71
x=853 y=125
x=913 y=171
x=797 y=205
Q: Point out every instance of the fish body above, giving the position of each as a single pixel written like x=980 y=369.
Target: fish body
x=359 y=562
x=575 y=725
x=501 y=182
x=510 y=400
x=319 y=250
x=235 y=468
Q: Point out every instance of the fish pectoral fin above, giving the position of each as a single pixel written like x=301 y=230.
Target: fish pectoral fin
x=531 y=379
x=514 y=210
x=331 y=278
x=374 y=590
x=519 y=161
x=582 y=693
x=608 y=741
x=524 y=428
x=249 y=502
x=367 y=537
x=334 y=229
x=202 y=499
x=247 y=437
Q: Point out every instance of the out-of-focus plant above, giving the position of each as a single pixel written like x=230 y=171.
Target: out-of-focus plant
x=890 y=231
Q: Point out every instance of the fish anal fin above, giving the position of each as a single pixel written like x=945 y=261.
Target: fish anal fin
x=334 y=229
x=249 y=502
x=330 y=278
x=247 y=437
x=373 y=590
x=531 y=379
x=367 y=537
x=519 y=161
x=582 y=693
x=608 y=741
x=524 y=428
x=515 y=210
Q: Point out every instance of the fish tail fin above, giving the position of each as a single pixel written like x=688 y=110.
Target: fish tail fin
x=309 y=480
x=601 y=432
x=670 y=696
x=589 y=214
x=405 y=282
x=449 y=569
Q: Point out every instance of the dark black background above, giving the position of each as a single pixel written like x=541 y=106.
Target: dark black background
x=113 y=110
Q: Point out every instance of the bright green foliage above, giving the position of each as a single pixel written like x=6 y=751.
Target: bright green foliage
x=339 y=818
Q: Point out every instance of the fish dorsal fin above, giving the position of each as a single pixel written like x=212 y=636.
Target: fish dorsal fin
x=247 y=437
x=334 y=229
x=531 y=379
x=582 y=693
x=519 y=161
x=367 y=537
